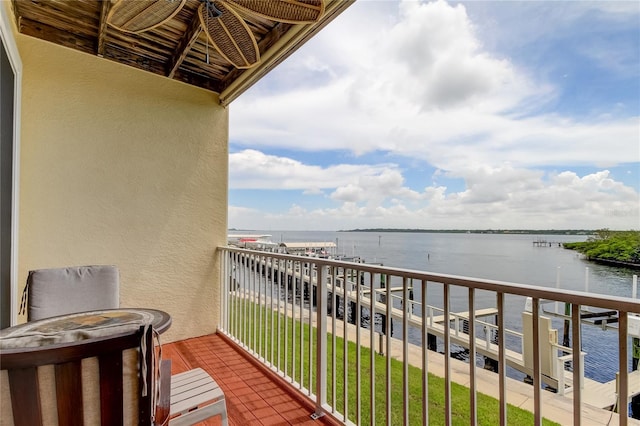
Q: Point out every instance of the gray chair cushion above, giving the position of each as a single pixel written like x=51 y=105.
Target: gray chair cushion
x=63 y=291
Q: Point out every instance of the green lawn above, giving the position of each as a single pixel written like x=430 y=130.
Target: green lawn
x=265 y=342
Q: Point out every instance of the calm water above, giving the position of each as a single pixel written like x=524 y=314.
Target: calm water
x=511 y=258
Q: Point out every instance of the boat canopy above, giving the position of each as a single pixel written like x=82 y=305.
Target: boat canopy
x=312 y=245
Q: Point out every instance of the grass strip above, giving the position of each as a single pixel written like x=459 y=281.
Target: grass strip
x=292 y=351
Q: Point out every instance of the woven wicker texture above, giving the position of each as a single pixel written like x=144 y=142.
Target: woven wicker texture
x=230 y=36
x=135 y=16
x=290 y=11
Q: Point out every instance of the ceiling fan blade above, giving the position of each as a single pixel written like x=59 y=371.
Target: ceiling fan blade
x=136 y=16
x=230 y=35
x=290 y=11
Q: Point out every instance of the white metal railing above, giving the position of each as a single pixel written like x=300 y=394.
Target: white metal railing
x=274 y=308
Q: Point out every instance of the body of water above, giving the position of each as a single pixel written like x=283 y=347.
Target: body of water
x=504 y=257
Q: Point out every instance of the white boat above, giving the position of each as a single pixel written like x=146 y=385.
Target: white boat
x=252 y=241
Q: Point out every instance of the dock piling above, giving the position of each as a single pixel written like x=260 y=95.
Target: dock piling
x=432 y=342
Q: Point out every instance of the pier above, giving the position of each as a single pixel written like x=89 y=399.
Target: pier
x=546 y=243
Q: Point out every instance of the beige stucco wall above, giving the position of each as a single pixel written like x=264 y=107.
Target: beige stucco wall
x=123 y=167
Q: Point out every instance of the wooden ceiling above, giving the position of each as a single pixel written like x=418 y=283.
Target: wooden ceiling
x=176 y=49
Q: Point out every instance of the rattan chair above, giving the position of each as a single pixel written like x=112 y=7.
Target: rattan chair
x=106 y=380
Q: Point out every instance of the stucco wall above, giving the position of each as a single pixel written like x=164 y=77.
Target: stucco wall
x=123 y=167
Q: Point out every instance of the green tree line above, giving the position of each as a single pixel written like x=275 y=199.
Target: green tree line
x=618 y=246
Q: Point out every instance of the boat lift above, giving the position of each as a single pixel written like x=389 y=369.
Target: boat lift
x=604 y=394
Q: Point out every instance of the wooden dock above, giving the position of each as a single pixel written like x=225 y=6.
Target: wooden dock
x=546 y=243
x=604 y=395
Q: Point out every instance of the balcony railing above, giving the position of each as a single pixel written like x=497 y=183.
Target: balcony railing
x=326 y=327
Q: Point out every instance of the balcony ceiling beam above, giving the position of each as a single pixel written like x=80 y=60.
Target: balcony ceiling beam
x=184 y=46
x=102 y=26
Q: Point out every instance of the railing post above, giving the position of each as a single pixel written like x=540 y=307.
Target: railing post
x=623 y=388
x=321 y=344
x=473 y=397
x=447 y=350
x=577 y=367
x=502 y=360
x=226 y=288
x=537 y=376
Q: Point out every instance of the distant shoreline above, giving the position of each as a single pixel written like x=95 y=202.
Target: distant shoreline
x=481 y=231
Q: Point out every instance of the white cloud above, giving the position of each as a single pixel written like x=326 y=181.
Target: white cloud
x=349 y=193
x=500 y=197
x=421 y=86
x=438 y=61
x=255 y=170
x=416 y=80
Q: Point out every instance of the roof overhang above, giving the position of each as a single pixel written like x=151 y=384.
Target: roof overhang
x=291 y=41
x=177 y=49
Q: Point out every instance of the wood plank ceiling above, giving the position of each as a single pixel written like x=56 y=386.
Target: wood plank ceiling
x=176 y=49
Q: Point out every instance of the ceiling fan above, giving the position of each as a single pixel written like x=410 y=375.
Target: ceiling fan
x=225 y=29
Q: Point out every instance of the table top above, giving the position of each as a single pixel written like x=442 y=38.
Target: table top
x=82 y=326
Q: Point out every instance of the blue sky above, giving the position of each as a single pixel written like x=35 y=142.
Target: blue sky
x=457 y=115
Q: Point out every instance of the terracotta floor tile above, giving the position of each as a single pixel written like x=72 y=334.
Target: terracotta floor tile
x=285 y=406
x=242 y=391
x=226 y=374
x=298 y=418
x=230 y=382
x=279 y=400
x=264 y=412
x=256 y=404
x=249 y=375
x=273 y=393
x=274 y=421
x=268 y=392
x=259 y=379
x=253 y=398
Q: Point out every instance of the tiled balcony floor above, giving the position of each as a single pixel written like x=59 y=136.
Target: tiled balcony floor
x=253 y=397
